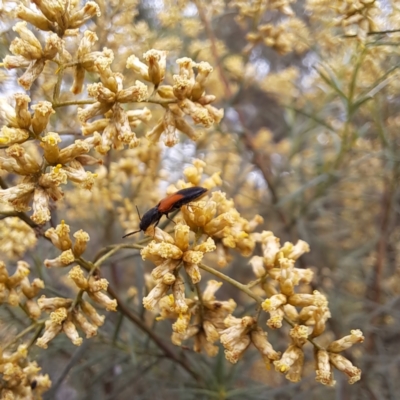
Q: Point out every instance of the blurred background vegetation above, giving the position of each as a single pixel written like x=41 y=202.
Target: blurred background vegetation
x=310 y=141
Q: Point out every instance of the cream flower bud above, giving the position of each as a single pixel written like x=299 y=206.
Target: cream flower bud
x=324 y=369
x=344 y=365
x=164 y=250
x=10 y=136
x=186 y=65
x=274 y=302
x=304 y=275
x=79 y=79
x=136 y=93
x=8 y=115
x=257 y=264
x=156 y=61
x=260 y=341
x=296 y=369
x=11 y=62
x=51 y=180
x=70 y=330
x=53 y=45
x=276 y=317
x=81 y=239
x=91 y=312
x=298 y=250
x=76 y=149
x=235 y=338
x=63 y=260
x=94 y=109
x=52 y=10
x=50 y=146
x=219 y=223
x=192 y=257
x=207 y=246
x=178 y=338
x=85 y=159
x=271 y=248
x=102 y=299
x=31 y=290
x=21 y=272
x=13 y=297
x=101 y=93
x=78 y=18
x=53 y=303
x=167 y=266
x=96 y=284
x=207 y=99
x=159 y=235
x=237 y=351
x=33 y=309
x=27 y=45
x=304 y=300
x=76 y=173
x=10 y=165
x=41 y=212
x=193 y=271
x=80 y=320
x=18 y=196
x=23 y=116
x=151 y=300
x=214 y=115
x=178 y=290
x=154 y=134
x=142 y=115
x=181 y=89
x=37 y=20
x=291 y=312
x=211 y=288
x=51 y=330
x=31 y=73
x=41 y=117
x=59 y=316
x=211 y=332
x=182 y=236
x=299 y=334
x=193 y=175
x=291 y=354
x=181 y=324
x=27 y=165
x=320 y=318
x=60 y=236
x=204 y=69
x=166 y=92
x=77 y=275
x=138 y=67
x=346 y=342
x=86 y=44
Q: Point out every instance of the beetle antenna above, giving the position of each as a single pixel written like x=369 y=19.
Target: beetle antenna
x=138 y=213
x=130 y=233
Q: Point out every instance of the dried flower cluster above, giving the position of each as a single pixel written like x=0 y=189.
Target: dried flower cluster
x=125 y=105
x=207 y=320
x=20 y=378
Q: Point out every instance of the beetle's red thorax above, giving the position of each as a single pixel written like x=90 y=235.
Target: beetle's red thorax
x=166 y=204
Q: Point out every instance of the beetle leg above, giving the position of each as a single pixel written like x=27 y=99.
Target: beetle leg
x=170 y=219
